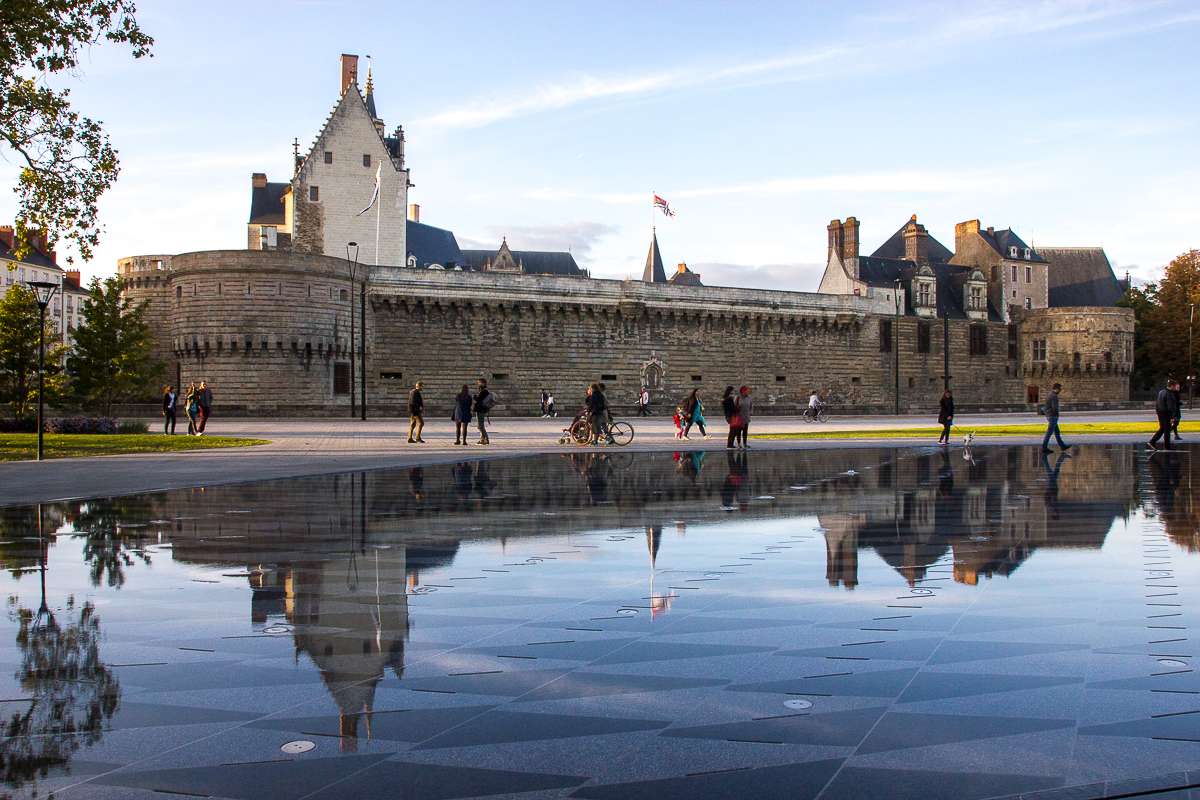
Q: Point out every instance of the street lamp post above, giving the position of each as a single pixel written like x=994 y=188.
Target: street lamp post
x=43 y=290
x=353 y=267
x=896 y=345
x=1191 y=360
x=362 y=321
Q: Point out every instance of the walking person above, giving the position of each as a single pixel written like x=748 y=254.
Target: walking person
x=1165 y=407
x=484 y=400
x=545 y=399
x=945 y=416
x=644 y=403
x=745 y=404
x=693 y=411
x=416 y=414
x=1178 y=412
x=729 y=406
x=550 y=412
x=191 y=409
x=597 y=407
x=1052 y=420
x=461 y=414
x=204 y=402
x=168 y=408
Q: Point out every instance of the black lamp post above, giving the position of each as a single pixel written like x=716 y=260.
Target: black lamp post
x=896 y=346
x=362 y=347
x=43 y=290
x=352 y=265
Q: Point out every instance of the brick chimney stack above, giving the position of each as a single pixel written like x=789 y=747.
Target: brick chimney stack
x=836 y=238
x=850 y=238
x=349 y=71
x=916 y=242
x=962 y=232
x=414 y=212
x=258 y=180
x=8 y=236
x=72 y=277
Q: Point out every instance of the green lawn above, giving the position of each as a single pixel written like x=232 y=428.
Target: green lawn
x=812 y=431
x=23 y=446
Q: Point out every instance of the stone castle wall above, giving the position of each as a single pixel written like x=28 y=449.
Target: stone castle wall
x=266 y=330
x=1089 y=350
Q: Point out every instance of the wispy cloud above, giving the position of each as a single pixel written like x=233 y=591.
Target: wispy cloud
x=938 y=37
x=578 y=236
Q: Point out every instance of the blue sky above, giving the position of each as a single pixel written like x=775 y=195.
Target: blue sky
x=552 y=124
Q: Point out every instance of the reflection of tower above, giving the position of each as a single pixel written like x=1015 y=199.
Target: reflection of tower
x=351 y=618
x=841 y=549
x=658 y=602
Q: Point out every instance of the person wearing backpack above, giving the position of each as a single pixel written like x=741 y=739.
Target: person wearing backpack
x=484 y=400
x=416 y=414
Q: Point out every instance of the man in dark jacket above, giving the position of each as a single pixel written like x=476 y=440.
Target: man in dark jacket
x=416 y=414
x=483 y=404
x=204 y=402
x=597 y=406
x=1052 y=420
x=1178 y=412
x=1165 y=408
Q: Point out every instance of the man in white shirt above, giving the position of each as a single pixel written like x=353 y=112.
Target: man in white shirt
x=644 y=403
x=814 y=402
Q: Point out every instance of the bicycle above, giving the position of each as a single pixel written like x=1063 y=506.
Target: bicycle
x=580 y=432
x=819 y=414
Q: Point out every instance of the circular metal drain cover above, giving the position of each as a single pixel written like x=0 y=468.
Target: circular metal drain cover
x=298 y=746
x=1171 y=662
x=798 y=704
x=277 y=629
x=627 y=611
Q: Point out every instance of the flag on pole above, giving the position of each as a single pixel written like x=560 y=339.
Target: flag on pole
x=662 y=206
x=375 y=194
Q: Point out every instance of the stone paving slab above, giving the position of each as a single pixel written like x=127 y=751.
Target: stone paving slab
x=300 y=447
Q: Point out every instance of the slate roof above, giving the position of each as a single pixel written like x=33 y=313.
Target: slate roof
x=266 y=204
x=535 y=262
x=432 y=245
x=36 y=258
x=1082 y=276
x=881 y=273
x=654 y=272
x=894 y=248
x=1001 y=241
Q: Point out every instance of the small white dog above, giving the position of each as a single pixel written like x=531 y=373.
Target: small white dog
x=968 y=438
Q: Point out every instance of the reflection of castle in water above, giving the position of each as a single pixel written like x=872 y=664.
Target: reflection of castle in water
x=986 y=512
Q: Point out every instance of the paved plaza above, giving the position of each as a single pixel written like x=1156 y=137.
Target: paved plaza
x=330 y=445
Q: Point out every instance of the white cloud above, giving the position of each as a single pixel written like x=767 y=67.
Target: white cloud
x=578 y=236
x=797 y=277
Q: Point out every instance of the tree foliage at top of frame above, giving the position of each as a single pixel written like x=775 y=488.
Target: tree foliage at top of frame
x=67 y=159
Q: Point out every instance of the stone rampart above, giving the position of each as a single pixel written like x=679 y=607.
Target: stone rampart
x=1089 y=350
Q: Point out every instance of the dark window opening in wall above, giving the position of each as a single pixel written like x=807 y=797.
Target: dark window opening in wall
x=499 y=376
x=923 y=337
x=856 y=380
x=366 y=159
x=1077 y=360
x=883 y=475
x=995 y=273
x=178 y=292
x=885 y=336
x=328 y=157
x=978 y=340
x=1012 y=341
x=1031 y=394
x=608 y=377
x=911 y=383
x=314 y=194
x=341 y=378
x=1029 y=274
x=1014 y=273
x=391 y=376
x=343 y=294
x=781 y=378
x=1108 y=359
x=218 y=287
x=1039 y=349
x=697 y=377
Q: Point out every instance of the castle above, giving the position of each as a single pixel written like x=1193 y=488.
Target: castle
x=268 y=327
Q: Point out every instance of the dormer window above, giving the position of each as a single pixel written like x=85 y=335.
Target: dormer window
x=1028 y=253
x=1012 y=251
x=975 y=298
x=923 y=294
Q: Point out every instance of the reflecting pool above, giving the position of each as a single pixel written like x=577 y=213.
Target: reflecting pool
x=885 y=623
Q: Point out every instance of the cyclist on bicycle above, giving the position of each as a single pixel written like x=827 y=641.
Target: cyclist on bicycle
x=814 y=402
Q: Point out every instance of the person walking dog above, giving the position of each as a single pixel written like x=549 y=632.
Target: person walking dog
x=1165 y=407
x=1052 y=420
x=945 y=416
x=416 y=414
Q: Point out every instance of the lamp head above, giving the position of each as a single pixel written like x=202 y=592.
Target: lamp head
x=44 y=291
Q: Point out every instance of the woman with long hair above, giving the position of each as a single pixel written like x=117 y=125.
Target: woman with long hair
x=461 y=414
x=945 y=416
x=694 y=408
x=729 y=406
x=745 y=409
x=192 y=408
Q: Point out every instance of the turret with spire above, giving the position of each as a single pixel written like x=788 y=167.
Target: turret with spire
x=654 y=273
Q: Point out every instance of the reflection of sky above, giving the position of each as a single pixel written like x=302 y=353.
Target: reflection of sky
x=349 y=616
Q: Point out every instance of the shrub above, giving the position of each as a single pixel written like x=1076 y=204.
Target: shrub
x=94 y=425
x=133 y=426
x=22 y=425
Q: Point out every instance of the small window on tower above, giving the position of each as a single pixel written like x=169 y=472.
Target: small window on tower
x=366 y=159
x=1029 y=302
x=1014 y=273
x=1029 y=274
x=923 y=337
x=328 y=157
x=314 y=194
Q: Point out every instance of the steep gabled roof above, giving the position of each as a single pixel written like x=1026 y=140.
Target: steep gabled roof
x=654 y=272
x=894 y=248
x=535 y=262
x=1082 y=276
x=1002 y=241
x=349 y=95
x=266 y=204
x=430 y=245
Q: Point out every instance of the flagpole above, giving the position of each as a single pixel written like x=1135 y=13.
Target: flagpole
x=377 y=205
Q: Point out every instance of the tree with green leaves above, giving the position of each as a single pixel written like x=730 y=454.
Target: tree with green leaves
x=113 y=360
x=19 y=342
x=1162 y=312
x=68 y=160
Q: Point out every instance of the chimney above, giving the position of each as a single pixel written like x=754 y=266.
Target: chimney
x=40 y=244
x=850 y=238
x=349 y=71
x=991 y=231
x=414 y=212
x=916 y=242
x=7 y=235
x=258 y=180
x=73 y=277
x=836 y=235
x=962 y=232
x=682 y=269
